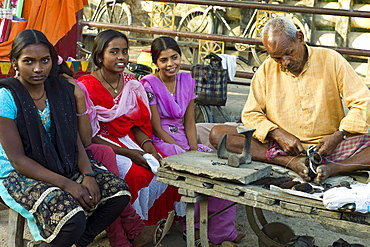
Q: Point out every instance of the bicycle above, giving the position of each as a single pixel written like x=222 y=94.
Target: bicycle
x=212 y=20
x=109 y=11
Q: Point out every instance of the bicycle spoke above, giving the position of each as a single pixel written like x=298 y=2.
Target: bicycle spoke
x=195 y=21
x=163 y=15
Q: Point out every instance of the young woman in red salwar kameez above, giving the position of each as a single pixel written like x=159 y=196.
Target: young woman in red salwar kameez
x=121 y=119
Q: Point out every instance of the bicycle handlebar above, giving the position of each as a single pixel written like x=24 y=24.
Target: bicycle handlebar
x=140 y=69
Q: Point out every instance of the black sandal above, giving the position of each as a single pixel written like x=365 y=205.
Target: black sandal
x=313 y=160
x=197 y=242
x=301 y=241
x=342 y=243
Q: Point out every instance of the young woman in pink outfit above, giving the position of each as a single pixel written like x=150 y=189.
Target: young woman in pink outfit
x=171 y=98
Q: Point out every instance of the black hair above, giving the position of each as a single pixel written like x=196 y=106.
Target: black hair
x=64 y=69
x=163 y=43
x=101 y=42
x=29 y=37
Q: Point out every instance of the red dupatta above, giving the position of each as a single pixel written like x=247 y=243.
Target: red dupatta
x=131 y=101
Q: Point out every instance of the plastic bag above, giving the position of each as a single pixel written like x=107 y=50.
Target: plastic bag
x=359 y=194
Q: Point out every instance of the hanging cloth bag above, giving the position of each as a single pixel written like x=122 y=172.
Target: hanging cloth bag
x=211 y=82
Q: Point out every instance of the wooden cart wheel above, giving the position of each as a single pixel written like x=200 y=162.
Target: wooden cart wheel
x=273 y=234
x=196 y=20
x=208 y=46
x=163 y=15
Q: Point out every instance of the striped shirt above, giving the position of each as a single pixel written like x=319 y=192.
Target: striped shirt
x=308 y=106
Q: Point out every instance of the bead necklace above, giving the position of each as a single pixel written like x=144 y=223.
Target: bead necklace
x=43 y=93
x=114 y=88
x=174 y=84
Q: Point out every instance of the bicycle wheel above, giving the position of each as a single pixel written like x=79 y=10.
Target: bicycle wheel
x=203 y=114
x=120 y=14
x=196 y=20
x=259 y=51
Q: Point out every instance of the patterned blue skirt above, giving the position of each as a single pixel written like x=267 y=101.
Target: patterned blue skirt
x=50 y=206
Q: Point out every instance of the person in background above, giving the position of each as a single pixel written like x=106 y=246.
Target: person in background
x=46 y=175
x=296 y=101
x=171 y=98
x=122 y=122
x=128 y=229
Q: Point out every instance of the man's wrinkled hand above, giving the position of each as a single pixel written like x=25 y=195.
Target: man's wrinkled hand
x=288 y=142
x=328 y=144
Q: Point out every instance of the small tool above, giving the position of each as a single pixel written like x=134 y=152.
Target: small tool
x=235 y=160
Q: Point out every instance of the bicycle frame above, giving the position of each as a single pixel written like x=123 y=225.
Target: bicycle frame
x=101 y=4
x=208 y=18
x=109 y=5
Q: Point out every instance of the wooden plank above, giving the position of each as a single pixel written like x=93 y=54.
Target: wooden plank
x=259 y=198
x=357 y=217
x=15 y=228
x=256 y=194
x=250 y=192
x=200 y=163
x=225 y=190
x=284 y=196
x=330 y=214
x=190 y=231
x=317 y=218
x=194 y=180
x=296 y=207
x=199 y=181
x=188 y=199
x=186 y=192
x=203 y=208
x=165 y=173
x=318 y=215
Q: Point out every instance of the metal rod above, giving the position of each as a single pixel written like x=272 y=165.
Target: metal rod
x=217 y=37
x=276 y=7
x=241 y=74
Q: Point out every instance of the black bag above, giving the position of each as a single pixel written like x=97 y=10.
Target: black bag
x=211 y=82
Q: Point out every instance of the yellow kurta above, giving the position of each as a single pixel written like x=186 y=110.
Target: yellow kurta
x=308 y=106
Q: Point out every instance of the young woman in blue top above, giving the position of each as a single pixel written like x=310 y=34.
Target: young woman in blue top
x=45 y=173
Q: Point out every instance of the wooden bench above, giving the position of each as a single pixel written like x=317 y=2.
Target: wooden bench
x=15 y=227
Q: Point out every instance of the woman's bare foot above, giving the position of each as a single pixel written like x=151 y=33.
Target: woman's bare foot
x=146 y=236
x=239 y=237
x=323 y=172
x=298 y=165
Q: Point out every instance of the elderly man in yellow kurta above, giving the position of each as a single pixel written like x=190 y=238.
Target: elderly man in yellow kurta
x=296 y=101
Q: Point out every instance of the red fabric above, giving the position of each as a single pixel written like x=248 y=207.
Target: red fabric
x=121 y=126
x=128 y=225
x=348 y=148
x=137 y=177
